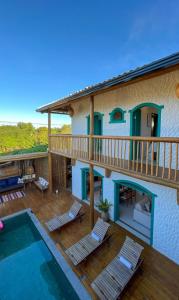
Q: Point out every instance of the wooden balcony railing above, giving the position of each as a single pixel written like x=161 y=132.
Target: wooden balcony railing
x=149 y=157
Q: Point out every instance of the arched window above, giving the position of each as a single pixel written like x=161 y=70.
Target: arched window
x=117 y=115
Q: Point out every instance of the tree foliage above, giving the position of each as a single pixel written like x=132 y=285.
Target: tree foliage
x=24 y=136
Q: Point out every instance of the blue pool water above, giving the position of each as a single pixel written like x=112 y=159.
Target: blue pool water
x=28 y=270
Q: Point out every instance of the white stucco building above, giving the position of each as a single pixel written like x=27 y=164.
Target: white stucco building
x=134 y=156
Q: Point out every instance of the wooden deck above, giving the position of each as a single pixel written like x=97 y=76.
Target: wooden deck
x=26 y=156
x=159 y=277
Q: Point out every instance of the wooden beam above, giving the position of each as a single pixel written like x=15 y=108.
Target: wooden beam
x=73 y=162
x=65 y=171
x=178 y=196
x=26 y=156
x=91 y=158
x=177 y=90
x=107 y=173
x=91 y=128
x=49 y=154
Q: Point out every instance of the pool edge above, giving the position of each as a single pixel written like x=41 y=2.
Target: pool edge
x=71 y=276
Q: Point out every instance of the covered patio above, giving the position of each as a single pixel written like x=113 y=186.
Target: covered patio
x=158 y=278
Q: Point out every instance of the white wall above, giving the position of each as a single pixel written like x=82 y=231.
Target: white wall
x=166 y=210
x=159 y=90
x=145 y=111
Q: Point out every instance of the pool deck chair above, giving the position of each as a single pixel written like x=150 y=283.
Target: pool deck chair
x=83 y=248
x=59 y=221
x=111 y=282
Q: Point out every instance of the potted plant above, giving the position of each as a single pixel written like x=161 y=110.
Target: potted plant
x=104 y=206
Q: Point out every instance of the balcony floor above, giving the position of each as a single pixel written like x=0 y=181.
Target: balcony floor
x=158 y=278
x=148 y=172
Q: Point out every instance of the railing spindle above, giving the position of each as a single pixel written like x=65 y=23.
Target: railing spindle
x=121 y=154
x=133 y=160
x=129 y=153
x=137 y=164
x=157 y=159
x=152 y=160
x=164 y=151
x=147 y=158
x=176 y=161
x=124 y=154
x=114 y=162
x=170 y=162
x=142 y=157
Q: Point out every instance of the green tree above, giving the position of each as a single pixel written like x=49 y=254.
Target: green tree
x=24 y=136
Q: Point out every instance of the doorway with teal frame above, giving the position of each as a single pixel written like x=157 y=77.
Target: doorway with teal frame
x=84 y=177
x=98 y=129
x=98 y=123
x=135 y=121
x=135 y=186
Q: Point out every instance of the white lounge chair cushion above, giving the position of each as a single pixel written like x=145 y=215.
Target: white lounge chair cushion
x=71 y=215
x=95 y=236
x=125 y=262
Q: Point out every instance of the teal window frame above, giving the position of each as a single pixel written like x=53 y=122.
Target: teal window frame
x=112 y=113
x=84 y=172
x=137 y=187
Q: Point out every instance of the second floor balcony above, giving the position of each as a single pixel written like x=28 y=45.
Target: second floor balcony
x=154 y=159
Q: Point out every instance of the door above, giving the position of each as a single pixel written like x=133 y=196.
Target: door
x=136 y=123
x=97 y=131
x=136 y=130
x=97 y=125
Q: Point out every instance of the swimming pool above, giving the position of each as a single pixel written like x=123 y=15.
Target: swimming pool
x=31 y=267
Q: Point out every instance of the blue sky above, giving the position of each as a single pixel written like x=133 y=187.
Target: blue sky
x=49 y=49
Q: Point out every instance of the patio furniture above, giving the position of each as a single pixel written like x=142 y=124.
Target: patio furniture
x=142 y=213
x=41 y=184
x=28 y=179
x=110 y=283
x=68 y=217
x=10 y=183
x=83 y=248
x=128 y=196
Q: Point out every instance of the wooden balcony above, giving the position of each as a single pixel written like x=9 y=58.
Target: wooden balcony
x=154 y=159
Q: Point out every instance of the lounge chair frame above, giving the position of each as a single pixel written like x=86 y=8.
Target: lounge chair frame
x=82 y=259
x=119 y=285
x=54 y=227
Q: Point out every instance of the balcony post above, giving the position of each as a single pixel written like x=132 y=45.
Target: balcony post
x=91 y=158
x=49 y=153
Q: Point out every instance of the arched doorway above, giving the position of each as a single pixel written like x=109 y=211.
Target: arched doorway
x=134 y=207
x=98 y=185
x=145 y=120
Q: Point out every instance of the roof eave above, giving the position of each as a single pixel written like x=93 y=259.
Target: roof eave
x=155 y=68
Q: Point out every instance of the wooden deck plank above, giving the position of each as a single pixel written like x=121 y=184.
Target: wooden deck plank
x=159 y=277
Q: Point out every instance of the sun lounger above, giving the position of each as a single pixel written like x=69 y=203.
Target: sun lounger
x=83 y=248
x=59 y=221
x=110 y=283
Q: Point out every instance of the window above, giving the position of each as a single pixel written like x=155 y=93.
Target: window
x=117 y=116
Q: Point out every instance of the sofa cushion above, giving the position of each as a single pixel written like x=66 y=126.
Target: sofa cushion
x=138 y=206
x=12 y=180
x=3 y=183
x=147 y=206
